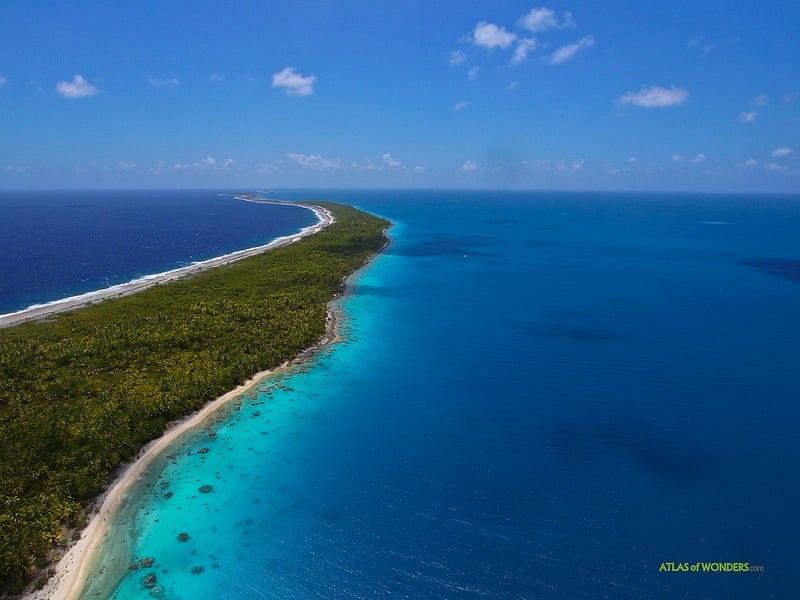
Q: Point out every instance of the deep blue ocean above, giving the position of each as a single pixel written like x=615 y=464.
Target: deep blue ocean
x=61 y=244
x=538 y=395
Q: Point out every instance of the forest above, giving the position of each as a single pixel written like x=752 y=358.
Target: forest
x=82 y=392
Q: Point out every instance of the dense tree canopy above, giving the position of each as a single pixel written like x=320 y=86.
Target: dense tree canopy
x=84 y=391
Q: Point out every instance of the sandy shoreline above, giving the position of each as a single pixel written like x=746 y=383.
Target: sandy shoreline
x=74 y=568
x=46 y=310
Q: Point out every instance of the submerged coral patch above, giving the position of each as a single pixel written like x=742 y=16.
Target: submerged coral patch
x=787 y=268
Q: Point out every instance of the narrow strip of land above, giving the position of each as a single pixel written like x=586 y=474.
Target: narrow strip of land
x=84 y=393
x=324 y=216
x=75 y=567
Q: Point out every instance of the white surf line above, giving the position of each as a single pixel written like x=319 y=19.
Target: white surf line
x=41 y=311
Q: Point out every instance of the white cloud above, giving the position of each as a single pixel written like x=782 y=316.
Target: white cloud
x=750 y=162
x=268 y=167
x=539 y=19
x=473 y=73
x=216 y=77
x=562 y=166
x=173 y=81
x=461 y=105
x=293 y=83
x=570 y=50
x=469 y=167
x=633 y=159
x=314 y=161
x=77 y=88
x=158 y=169
x=654 y=97
x=208 y=163
x=489 y=35
x=699 y=41
x=387 y=158
x=368 y=165
x=698 y=159
x=543 y=18
x=678 y=158
x=457 y=57
x=123 y=165
x=782 y=151
x=760 y=100
x=773 y=166
x=15 y=169
x=229 y=162
x=3 y=81
x=419 y=169
x=748 y=117
x=524 y=46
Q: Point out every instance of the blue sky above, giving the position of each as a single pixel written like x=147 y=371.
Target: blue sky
x=573 y=95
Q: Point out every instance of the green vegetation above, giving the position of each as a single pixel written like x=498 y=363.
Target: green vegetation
x=85 y=391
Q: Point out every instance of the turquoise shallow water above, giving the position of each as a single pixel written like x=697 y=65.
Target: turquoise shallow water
x=538 y=396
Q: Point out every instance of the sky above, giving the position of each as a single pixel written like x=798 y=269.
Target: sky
x=582 y=95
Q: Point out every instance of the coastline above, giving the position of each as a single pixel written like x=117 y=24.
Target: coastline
x=74 y=568
x=49 y=309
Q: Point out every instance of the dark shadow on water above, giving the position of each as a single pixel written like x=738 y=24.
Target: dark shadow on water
x=578 y=326
x=330 y=515
x=443 y=245
x=656 y=450
x=374 y=290
x=786 y=268
x=533 y=243
x=503 y=221
x=581 y=333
